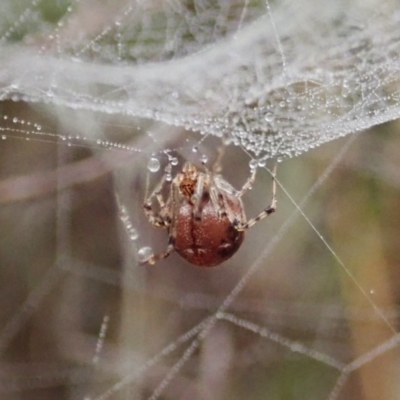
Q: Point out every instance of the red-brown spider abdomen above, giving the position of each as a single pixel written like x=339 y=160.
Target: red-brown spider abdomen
x=204 y=216
x=211 y=238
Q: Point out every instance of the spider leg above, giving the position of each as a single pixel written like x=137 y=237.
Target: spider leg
x=216 y=169
x=160 y=256
x=172 y=234
x=240 y=226
x=154 y=217
x=217 y=201
x=198 y=196
x=248 y=184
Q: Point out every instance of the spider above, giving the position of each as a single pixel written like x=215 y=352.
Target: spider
x=203 y=214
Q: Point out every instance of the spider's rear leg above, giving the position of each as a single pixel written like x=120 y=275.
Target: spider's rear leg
x=154 y=217
x=172 y=233
x=160 y=256
x=240 y=226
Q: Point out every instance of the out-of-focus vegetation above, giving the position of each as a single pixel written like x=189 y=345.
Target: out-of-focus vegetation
x=66 y=263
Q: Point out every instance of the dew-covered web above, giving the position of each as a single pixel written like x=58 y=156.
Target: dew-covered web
x=98 y=97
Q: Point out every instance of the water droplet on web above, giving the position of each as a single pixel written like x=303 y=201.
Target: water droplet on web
x=153 y=165
x=227 y=140
x=345 y=89
x=253 y=164
x=204 y=159
x=269 y=117
x=145 y=253
x=133 y=234
x=195 y=149
x=262 y=163
x=4 y=137
x=174 y=161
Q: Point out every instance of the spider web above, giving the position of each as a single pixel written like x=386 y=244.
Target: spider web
x=278 y=82
x=308 y=307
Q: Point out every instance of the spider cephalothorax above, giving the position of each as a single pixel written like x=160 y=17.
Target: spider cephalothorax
x=204 y=216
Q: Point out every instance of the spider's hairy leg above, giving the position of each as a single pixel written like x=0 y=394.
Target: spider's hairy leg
x=198 y=196
x=154 y=217
x=249 y=183
x=218 y=201
x=174 y=204
x=217 y=167
x=160 y=256
x=265 y=213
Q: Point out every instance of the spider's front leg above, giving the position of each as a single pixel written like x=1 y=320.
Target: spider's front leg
x=249 y=183
x=242 y=226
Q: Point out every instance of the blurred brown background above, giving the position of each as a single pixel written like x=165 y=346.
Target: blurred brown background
x=67 y=267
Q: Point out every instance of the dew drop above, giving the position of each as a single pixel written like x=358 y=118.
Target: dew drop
x=262 y=163
x=227 y=140
x=174 y=161
x=153 y=165
x=195 y=149
x=269 y=117
x=204 y=159
x=145 y=253
x=253 y=164
x=4 y=137
x=133 y=234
